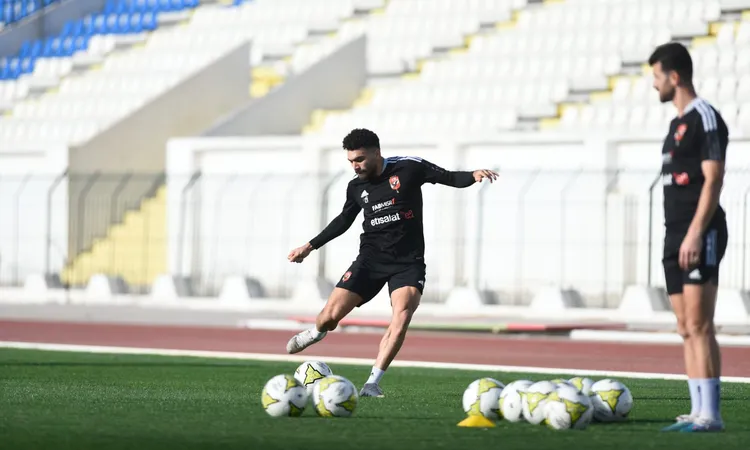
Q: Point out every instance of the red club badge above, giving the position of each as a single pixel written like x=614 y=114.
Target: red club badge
x=395 y=183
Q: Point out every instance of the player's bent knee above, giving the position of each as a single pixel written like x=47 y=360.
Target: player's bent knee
x=699 y=327
x=682 y=329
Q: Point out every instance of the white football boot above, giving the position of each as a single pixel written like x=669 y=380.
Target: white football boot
x=302 y=340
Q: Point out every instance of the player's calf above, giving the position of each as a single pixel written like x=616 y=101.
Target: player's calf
x=700 y=300
x=405 y=301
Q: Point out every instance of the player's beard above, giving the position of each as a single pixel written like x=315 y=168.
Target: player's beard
x=667 y=95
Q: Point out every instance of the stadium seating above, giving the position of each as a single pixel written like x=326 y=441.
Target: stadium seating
x=12 y=11
x=71 y=114
x=567 y=65
x=86 y=101
x=473 y=66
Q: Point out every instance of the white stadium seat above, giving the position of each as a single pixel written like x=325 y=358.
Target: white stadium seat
x=498 y=76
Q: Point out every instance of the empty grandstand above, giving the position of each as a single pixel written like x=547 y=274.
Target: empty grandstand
x=106 y=170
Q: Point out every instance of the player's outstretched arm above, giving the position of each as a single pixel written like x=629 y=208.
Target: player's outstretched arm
x=459 y=179
x=335 y=228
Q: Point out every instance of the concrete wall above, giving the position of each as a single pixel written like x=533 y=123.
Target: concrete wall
x=568 y=212
x=137 y=143
x=333 y=83
x=42 y=25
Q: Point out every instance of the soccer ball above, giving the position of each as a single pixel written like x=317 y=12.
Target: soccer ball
x=612 y=400
x=568 y=408
x=561 y=382
x=335 y=396
x=583 y=384
x=284 y=396
x=511 y=408
x=482 y=398
x=534 y=399
x=311 y=371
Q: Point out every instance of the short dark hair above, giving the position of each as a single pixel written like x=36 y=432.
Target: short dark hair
x=674 y=57
x=361 y=138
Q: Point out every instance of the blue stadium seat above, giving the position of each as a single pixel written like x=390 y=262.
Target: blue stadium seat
x=120 y=17
x=14 y=10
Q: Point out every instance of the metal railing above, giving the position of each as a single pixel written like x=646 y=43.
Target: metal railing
x=594 y=232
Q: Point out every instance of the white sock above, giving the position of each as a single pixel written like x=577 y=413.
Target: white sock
x=317 y=334
x=375 y=375
x=710 y=395
x=695 y=396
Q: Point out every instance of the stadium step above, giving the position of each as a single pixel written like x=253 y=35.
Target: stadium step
x=263 y=79
x=134 y=249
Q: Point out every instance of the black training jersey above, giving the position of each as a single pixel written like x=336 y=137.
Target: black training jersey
x=392 y=205
x=699 y=135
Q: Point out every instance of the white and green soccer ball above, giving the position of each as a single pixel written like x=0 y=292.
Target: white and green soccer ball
x=612 y=400
x=562 y=382
x=335 y=396
x=583 y=384
x=284 y=396
x=482 y=398
x=534 y=400
x=310 y=372
x=568 y=408
x=511 y=406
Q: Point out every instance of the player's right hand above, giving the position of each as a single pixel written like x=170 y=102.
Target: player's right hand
x=300 y=253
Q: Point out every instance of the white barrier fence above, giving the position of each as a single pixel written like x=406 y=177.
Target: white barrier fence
x=583 y=216
x=571 y=222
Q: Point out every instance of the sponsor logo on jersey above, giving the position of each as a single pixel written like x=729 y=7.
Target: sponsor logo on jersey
x=346 y=276
x=394 y=182
x=385 y=219
x=681 y=179
x=384 y=204
x=365 y=196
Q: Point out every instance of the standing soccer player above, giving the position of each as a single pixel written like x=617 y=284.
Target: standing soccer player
x=389 y=190
x=696 y=229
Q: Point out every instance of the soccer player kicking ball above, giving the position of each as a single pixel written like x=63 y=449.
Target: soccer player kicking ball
x=693 y=157
x=389 y=190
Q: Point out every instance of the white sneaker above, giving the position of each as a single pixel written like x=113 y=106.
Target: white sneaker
x=371 y=390
x=302 y=340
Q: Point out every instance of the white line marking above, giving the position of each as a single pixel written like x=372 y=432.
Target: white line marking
x=347 y=361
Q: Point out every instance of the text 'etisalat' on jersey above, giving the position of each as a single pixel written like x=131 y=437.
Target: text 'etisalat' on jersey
x=699 y=135
x=392 y=208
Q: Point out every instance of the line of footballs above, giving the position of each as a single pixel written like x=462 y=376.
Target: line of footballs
x=559 y=404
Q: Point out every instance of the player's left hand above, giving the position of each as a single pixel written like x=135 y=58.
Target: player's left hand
x=690 y=251
x=489 y=174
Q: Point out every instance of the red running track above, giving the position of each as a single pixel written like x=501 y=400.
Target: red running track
x=419 y=346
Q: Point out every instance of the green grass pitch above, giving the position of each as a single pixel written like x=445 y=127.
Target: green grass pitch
x=60 y=400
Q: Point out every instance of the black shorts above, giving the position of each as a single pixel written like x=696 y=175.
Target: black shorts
x=367 y=278
x=712 y=252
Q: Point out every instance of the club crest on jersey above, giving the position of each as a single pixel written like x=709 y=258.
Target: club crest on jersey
x=346 y=276
x=680 y=133
x=395 y=183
